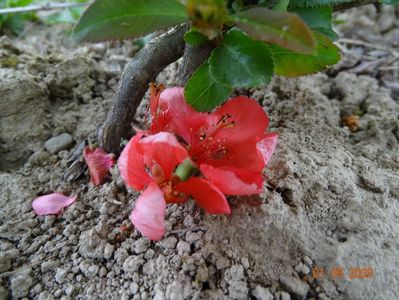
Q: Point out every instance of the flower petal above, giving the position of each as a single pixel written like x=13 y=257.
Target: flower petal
x=230 y=181
x=164 y=149
x=99 y=163
x=51 y=204
x=267 y=145
x=131 y=165
x=183 y=119
x=244 y=118
x=206 y=194
x=148 y=214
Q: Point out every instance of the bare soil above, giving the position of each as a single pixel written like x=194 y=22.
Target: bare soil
x=331 y=203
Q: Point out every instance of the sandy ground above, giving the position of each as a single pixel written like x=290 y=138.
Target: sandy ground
x=326 y=226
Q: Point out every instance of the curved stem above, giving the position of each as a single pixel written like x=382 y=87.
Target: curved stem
x=137 y=75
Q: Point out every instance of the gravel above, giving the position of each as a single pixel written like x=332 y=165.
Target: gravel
x=58 y=143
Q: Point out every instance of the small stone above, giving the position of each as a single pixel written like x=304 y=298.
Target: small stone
x=5 y=263
x=183 y=248
x=323 y=296
x=45 y=295
x=120 y=256
x=103 y=272
x=58 y=143
x=282 y=296
x=302 y=269
x=102 y=229
x=108 y=251
x=295 y=286
x=174 y=291
x=307 y=261
x=149 y=254
x=20 y=285
x=92 y=271
x=191 y=237
x=58 y=293
x=261 y=293
x=133 y=263
x=169 y=243
x=48 y=265
x=245 y=262
x=238 y=290
x=141 y=245
x=61 y=275
x=69 y=290
x=159 y=295
x=134 y=288
x=222 y=263
x=237 y=272
x=149 y=267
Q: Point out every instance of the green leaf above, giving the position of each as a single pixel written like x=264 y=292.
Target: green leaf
x=318 y=18
x=195 y=38
x=203 y=91
x=110 y=19
x=281 y=5
x=291 y=64
x=284 y=29
x=241 y=61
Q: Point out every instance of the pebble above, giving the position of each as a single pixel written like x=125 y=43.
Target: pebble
x=238 y=290
x=169 y=243
x=307 y=261
x=20 y=285
x=282 y=296
x=61 y=275
x=149 y=267
x=120 y=256
x=237 y=272
x=58 y=143
x=222 y=263
x=58 y=293
x=133 y=263
x=295 y=286
x=141 y=245
x=261 y=293
x=108 y=251
x=45 y=295
x=302 y=269
x=183 y=248
x=174 y=291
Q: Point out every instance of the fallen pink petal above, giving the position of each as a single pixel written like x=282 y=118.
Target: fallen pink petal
x=51 y=204
x=99 y=163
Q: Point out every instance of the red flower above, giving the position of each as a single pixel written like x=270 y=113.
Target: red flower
x=99 y=163
x=148 y=163
x=230 y=145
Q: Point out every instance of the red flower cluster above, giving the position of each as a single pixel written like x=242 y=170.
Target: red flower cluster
x=187 y=153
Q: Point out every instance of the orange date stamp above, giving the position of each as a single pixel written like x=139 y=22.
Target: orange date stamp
x=339 y=272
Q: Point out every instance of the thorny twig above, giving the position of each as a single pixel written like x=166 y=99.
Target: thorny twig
x=40 y=7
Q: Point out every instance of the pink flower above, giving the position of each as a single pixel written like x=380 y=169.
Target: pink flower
x=51 y=204
x=148 y=163
x=230 y=145
x=99 y=163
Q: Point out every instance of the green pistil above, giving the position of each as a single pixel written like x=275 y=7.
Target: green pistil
x=186 y=169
